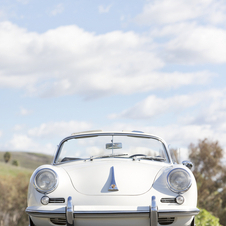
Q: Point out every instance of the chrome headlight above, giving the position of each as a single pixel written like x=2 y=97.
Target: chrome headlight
x=179 y=180
x=45 y=180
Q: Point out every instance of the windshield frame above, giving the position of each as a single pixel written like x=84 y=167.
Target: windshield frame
x=96 y=134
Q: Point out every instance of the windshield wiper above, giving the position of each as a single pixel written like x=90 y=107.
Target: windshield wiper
x=106 y=156
x=156 y=158
x=66 y=159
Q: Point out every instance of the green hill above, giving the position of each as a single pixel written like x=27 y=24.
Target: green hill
x=10 y=170
x=27 y=159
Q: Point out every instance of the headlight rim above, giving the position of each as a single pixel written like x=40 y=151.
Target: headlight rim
x=172 y=188
x=46 y=191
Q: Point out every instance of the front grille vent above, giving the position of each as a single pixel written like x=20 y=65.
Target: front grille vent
x=168 y=200
x=166 y=220
x=58 y=221
x=162 y=221
x=56 y=200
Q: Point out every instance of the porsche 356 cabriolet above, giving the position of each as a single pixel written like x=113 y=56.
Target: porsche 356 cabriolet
x=112 y=179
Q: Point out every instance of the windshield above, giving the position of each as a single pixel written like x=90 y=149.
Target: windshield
x=110 y=146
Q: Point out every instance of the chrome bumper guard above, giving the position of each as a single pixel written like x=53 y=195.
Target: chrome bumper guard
x=69 y=212
x=154 y=214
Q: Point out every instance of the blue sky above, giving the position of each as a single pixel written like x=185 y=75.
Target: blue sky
x=152 y=65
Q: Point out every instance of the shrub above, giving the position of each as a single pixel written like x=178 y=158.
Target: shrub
x=205 y=218
x=15 y=163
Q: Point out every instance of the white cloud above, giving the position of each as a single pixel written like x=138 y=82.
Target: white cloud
x=24 y=111
x=18 y=127
x=68 y=60
x=2 y=14
x=22 y=142
x=193 y=30
x=103 y=9
x=178 y=135
x=57 y=10
x=45 y=137
x=58 y=129
x=153 y=106
x=199 y=115
x=201 y=109
x=181 y=135
x=193 y=116
x=192 y=44
x=213 y=111
x=173 y=11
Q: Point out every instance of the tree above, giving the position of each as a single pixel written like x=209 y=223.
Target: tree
x=175 y=155
x=210 y=174
x=15 y=163
x=7 y=157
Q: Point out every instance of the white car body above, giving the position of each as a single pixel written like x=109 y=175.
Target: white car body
x=112 y=190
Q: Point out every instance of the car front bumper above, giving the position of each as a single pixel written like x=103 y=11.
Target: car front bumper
x=72 y=213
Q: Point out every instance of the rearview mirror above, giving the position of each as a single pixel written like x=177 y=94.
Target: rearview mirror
x=113 y=145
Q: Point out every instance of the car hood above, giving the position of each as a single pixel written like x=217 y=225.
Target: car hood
x=95 y=177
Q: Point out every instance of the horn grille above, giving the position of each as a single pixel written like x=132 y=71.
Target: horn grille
x=166 y=220
x=58 y=221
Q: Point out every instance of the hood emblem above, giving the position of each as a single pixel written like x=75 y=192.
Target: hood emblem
x=113 y=186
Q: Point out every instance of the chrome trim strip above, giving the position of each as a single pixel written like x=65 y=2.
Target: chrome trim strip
x=113 y=186
x=112 y=215
x=45 y=214
x=93 y=214
x=178 y=213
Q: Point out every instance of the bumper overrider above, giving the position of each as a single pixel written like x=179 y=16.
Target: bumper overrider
x=153 y=213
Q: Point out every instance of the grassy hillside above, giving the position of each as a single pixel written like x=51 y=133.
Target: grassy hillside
x=28 y=160
x=14 y=182
x=9 y=170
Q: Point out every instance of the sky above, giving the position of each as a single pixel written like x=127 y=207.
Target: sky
x=156 y=66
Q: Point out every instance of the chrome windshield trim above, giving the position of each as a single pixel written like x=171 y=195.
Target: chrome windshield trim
x=129 y=134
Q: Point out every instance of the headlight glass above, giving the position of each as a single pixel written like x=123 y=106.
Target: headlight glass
x=179 y=180
x=45 y=180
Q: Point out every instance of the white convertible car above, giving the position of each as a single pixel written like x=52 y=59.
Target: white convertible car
x=112 y=179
